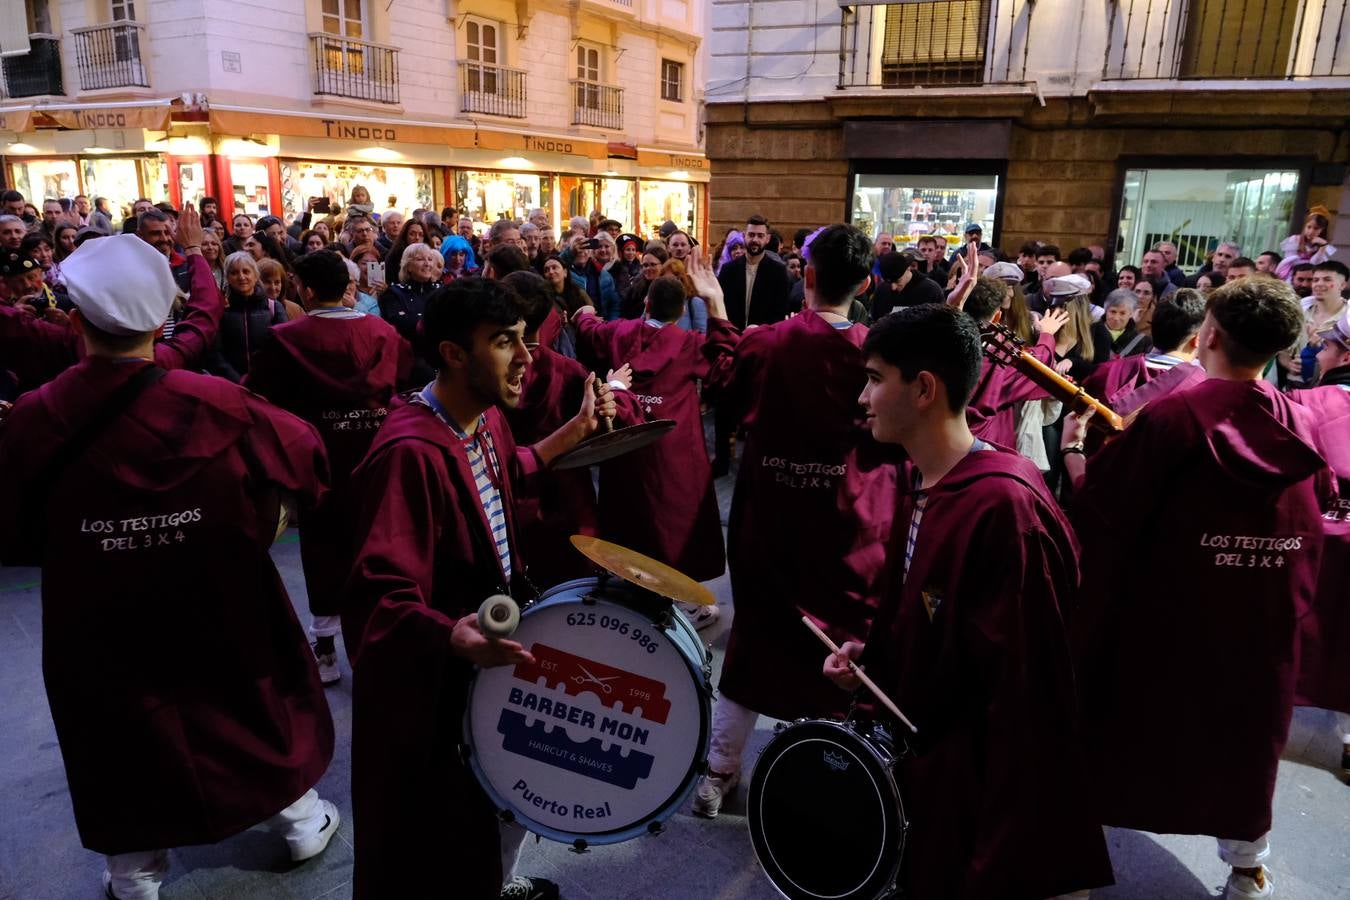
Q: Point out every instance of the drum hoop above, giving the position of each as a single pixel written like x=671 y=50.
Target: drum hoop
x=757 y=835
x=660 y=814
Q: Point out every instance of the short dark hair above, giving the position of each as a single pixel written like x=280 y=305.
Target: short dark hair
x=323 y=272
x=1331 y=265
x=1272 y=254
x=1137 y=272
x=1030 y=248
x=535 y=296
x=1079 y=256
x=842 y=257
x=1301 y=267
x=1177 y=318
x=1049 y=250
x=31 y=242
x=151 y=215
x=10 y=196
x=1242 y=262
x=757 y=219
x=800 y=235
x=931 y=337
x=449 y=211
x=666 y=299
x=985 y=298
x=205 y=201
x=1259 y=317
x=453 y=313
x=505 y=259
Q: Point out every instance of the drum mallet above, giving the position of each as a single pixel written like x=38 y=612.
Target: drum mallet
x=867 y=682
x=498 y=616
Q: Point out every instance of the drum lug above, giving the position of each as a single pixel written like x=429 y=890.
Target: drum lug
x=579 y=846
x=506 y=816
x=655 y=828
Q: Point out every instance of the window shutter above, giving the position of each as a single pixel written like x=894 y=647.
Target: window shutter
x=944 y=31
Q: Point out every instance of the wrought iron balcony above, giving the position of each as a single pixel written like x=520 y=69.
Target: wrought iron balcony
x=930 y=43
x=1226 y=39
x=109 y=56
x=344 y=67
x=35 y=73
x=597 y=104
x=494 y=90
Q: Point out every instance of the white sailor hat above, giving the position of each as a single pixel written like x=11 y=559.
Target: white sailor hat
x=120 y=284
x=1005 y=271
x=1061 y=286
x=1338 y=330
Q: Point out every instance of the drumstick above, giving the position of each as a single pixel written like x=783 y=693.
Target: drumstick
x=869 y=683
x=606 y=423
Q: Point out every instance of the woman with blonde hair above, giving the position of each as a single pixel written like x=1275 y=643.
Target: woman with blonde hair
x=213 y=251
x=1308 y=246
x=247 y=318
x=1076 y=354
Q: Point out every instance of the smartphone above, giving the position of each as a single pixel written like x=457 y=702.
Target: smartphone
x=321 y=204
x=375 y=273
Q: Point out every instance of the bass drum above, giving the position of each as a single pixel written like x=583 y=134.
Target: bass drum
x=604 y=736
x=825 y=814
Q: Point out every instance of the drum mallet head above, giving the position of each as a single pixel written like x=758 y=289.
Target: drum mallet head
x=498 y=616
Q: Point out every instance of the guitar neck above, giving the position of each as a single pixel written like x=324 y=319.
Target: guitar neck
x=1071 y=395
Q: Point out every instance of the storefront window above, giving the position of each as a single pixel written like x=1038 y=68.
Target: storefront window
x=1196 y=209
x=611 y=197
x=489 y=196
x=115 y=179
x=38 y=179
x=404 y=188
x=911 y=206
x=249 y=183
x=155 y=177
x=191 y=183
x=675 y=201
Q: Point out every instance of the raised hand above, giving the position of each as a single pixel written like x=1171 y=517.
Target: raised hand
x=190 y=229
x=706 y=285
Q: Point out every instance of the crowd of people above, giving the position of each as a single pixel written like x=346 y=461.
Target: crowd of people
x=1029 y=584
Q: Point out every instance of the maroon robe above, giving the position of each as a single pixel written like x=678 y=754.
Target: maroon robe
x=1193 y=588
x=1117 y=376
x=1324 y=664
x=972 y=646
x=183 y=689
x=992 y=410
x=564 y=501
x=425 y=559
x=811 y=511
x=339 y=375
x=36 y=351
x=660 y=500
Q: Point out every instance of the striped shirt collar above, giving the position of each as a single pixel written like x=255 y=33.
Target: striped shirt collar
x=335 y=312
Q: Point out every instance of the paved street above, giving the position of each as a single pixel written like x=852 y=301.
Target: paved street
x=41 y=857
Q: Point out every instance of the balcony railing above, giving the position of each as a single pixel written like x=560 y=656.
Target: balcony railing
x=937 y=42
x=494 y=90
x=344 y=67
x=597 y=104
x=109 y=56
x=1227 y=39
x=35 y=73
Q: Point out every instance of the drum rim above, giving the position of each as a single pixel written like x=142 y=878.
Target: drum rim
x=617 y=835
x=873 y=763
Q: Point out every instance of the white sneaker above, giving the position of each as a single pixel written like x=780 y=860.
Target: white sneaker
x=711 y=791
x=329 y=673
x=311 y=845
x=702 y=616
x=1243 y=887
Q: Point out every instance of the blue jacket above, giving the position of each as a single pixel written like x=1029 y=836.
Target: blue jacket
x=599 y=285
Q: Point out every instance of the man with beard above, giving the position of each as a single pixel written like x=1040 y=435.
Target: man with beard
x=1301 y=279
x=436 y=536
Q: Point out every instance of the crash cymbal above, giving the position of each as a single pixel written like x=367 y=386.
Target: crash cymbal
x=605 y=445
x=643 y=571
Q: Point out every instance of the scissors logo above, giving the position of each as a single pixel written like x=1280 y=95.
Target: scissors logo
x=587 y=678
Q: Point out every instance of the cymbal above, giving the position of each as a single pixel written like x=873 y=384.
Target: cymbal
x=643 y=571
x=605 y=445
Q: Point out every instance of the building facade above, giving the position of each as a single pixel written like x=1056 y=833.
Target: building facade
x=490 y=106
x=1117 y=123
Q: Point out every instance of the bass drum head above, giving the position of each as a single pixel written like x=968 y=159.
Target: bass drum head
x=825 y=815
x=604 y=734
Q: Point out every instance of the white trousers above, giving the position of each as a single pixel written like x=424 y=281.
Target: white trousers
x=731 y=729
x=137 y=876
x=512 y=838
x=1245 y=854
x=325 y=626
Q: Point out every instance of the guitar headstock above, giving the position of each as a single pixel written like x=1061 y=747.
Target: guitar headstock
x=1001 y=345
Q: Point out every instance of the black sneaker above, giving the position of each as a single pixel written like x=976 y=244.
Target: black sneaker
x=522 y=888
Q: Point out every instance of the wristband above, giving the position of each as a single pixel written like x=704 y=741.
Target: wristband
x=618 y=385
x=1073 y=448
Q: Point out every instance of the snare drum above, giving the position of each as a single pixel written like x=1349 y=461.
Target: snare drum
x=604 y=736
x=825 y=813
